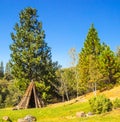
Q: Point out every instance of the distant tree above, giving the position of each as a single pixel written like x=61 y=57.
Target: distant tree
x=108 y=65
x=74 y=60
x=64 y=85
x=60 y=87
x=1 y=70
x=117 y=75
x=67 y=87
x=7 y=74
x=118 y=54
x=31 y=56
x=73 y=55
x=7 y=68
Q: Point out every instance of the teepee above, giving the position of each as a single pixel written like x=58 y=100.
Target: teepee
x=30 y=98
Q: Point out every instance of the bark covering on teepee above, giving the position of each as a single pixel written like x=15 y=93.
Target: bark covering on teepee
x=30 y=98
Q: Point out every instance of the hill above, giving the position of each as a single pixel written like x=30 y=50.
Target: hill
x=64 y=112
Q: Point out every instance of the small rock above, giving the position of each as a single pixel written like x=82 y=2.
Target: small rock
x=27 y=118
x=22 y=120
x=81 y=114
x=90 y=113
x=30 y=118
x=6 y=118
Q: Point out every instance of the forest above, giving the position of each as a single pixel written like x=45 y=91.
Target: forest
x=95 y=67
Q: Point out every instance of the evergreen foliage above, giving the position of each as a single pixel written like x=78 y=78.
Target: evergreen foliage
x=8 y=75
x=14 y=94
x=7 y=68
x=9 y=93
x=100 y=104
x=98 y=66
x=31 y=57
x=117 y=75
x=116 y=103
x=3 y=92
x=108 y=65
x=1 y=70
x=88 y=60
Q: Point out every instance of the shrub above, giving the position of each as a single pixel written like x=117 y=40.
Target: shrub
x=100 y=104
x=116 y=103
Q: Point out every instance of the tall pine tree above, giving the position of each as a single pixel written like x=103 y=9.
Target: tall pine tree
x=31 y=56
x=88 y=60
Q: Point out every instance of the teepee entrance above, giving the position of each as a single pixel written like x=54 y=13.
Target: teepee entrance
x=32 y=101
x=30 y=98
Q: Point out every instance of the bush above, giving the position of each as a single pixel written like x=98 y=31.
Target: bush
x=100 y=104
x=13 y=96
x=116 y=103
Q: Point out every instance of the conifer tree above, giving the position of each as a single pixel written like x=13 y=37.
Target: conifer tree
x=88 y=60
x=108 y=65
x=31 y=57
x=7 y=68
x=1 y=70
x=117 y=75
x=7 y=74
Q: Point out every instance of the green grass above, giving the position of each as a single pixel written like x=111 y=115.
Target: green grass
x=61 y=113
x=55 y=113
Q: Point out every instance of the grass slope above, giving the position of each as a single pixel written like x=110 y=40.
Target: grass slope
x=60 y=113
x=64 y=112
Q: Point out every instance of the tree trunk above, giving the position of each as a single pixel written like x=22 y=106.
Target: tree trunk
x=94 y=88
x=63 y=98
x=66 y=93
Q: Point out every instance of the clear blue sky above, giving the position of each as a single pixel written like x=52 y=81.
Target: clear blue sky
x=66 y=24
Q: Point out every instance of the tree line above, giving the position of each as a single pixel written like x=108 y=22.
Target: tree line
x=95 y=67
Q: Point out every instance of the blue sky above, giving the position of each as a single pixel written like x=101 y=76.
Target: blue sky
x=66 y=24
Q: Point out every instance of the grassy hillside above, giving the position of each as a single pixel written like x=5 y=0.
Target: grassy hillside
x=60 y=113
x=64 y=112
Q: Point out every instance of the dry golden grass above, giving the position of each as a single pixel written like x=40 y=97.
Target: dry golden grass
x=112 y=94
